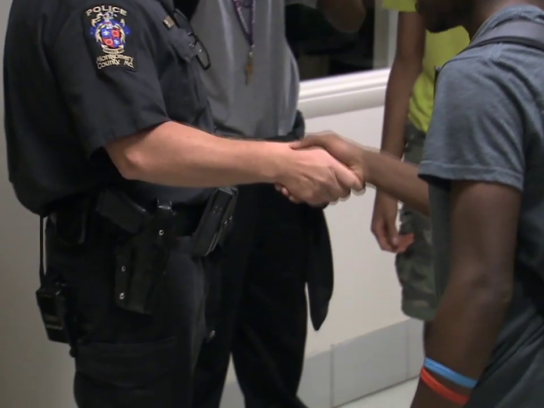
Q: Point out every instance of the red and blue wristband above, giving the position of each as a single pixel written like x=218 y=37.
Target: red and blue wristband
x=440 y=389
x=435 y=367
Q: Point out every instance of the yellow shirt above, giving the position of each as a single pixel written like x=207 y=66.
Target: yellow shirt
x=439 y=48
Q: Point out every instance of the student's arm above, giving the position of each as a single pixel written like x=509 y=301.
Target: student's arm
x=406 y=68
x=404 y=73
x=484 y=219
x=381 y=170
x=475 y=151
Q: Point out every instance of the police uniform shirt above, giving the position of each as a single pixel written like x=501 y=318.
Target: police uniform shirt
x=81 y=74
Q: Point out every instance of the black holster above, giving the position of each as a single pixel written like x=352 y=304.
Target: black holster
x=145 y=240
x=141 y=262
x=142 y=256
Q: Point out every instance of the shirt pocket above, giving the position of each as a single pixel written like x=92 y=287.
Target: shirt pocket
x=183 y=89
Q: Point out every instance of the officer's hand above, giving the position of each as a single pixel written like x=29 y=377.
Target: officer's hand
x=384 y=225
x=345 y=151
x=313 y=176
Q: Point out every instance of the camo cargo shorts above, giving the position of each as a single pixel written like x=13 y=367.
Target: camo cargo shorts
x=414 y=267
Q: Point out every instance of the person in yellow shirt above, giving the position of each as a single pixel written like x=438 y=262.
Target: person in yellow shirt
x=408 y=110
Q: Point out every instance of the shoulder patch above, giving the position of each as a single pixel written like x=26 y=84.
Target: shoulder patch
x=109 y=36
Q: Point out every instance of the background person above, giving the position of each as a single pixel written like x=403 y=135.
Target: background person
x=408 y=110
x=277 y=248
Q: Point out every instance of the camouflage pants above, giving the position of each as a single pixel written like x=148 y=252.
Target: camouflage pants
x=414 y=267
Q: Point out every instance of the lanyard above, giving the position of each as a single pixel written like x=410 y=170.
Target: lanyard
x=248 y=30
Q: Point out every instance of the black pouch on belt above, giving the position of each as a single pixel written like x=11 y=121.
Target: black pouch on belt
x=216 y=221
x=54 y=298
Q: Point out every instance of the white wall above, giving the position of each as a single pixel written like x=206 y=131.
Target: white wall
x=35 y=373
x=366 y=294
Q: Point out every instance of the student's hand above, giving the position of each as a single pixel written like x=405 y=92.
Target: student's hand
x=344 y=151
x=384 y=225
x=315 y=177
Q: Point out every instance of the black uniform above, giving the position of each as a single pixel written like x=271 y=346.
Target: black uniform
x=78 y=75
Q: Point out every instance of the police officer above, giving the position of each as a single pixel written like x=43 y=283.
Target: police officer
x=109 y=136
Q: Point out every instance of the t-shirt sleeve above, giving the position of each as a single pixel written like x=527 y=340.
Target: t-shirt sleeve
x=476 y=132
x=408 y=6
x=103 y=60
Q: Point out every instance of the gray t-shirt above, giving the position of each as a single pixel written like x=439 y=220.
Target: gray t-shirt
x=488 y=125
x=267 y=106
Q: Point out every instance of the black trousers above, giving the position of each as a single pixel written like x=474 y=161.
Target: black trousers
x=124 y=359
x=262 y=318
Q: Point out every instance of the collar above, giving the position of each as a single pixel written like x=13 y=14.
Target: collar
x=519 y=12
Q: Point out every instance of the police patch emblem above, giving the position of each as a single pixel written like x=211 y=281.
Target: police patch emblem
x=109 y=34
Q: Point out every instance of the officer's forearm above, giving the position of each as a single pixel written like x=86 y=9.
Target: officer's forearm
x=181 y=156
x=397 y=179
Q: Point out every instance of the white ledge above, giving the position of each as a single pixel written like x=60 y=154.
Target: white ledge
x=343 y=93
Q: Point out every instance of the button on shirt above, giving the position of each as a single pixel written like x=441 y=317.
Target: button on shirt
x=79 y=75
x=266 y=107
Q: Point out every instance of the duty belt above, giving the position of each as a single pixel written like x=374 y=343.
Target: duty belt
x=132 y=218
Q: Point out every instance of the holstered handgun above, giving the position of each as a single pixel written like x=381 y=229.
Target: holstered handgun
x=142 y=261
x=142 y=258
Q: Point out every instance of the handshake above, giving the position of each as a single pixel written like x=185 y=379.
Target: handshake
x=323 y=168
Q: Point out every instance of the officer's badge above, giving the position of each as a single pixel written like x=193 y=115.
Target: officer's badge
x=109 y=36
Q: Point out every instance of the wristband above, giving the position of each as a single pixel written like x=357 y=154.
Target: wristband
x=450 y=375
x=442 y=390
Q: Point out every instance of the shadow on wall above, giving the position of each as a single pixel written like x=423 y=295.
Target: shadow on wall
x=33 y=372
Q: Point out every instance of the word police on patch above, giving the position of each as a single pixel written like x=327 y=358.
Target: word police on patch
x=109 y=37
